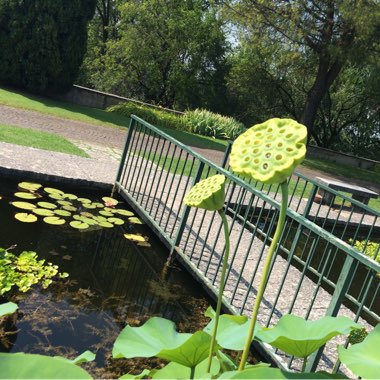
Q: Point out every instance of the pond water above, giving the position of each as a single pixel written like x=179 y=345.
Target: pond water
x=112 y=282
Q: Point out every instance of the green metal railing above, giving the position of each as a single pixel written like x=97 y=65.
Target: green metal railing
x=316 y=271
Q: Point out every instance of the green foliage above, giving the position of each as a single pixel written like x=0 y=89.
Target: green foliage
x=152 y=115
x=25 y=270
x=7 y=308
x=212 y=124
x=369 y=248
x=43 y=42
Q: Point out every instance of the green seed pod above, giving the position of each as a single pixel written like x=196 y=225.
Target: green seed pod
x=207 y=194
x=269 y=152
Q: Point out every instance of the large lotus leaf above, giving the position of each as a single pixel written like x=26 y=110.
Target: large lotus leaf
x=31 y=366
x=299 y=337
x=7 y=308
x=70 y=196
x=79 y=225
x=30 y=186
x=43 y=212
x=116 y=221
x=207 y=194
x=48 y=205
x=105 y=224
x=232 y=331
x=123 y=212
x=105 y=213
x=52 y=190
x=56 y=220
x=89 y=205
x=86 y=357
x=24 y=195
x=56 y=196
x=270 y=151
x=144 y=374
x=62 y=212
x=84 y=200
x=148 y=340
x=69 y=208
x=177 y=371
x=98 y=204
x=363 y=359
x=25 y=217
x=65 y=203
x=260 y=372
x=24 y=205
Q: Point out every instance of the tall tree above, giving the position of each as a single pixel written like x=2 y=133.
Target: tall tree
x=329 y=33
x=43 y=42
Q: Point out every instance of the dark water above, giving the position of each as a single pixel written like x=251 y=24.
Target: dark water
x=112 y=282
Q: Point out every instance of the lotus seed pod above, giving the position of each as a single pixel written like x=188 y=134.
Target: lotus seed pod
x=207 y=194
x=269 y=152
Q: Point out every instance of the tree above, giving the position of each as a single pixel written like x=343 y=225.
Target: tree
x=168 y=52
x=323 y=36
x=43 y=42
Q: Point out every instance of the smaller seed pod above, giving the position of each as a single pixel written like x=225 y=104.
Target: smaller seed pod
x=207 y=194
x=269 y=152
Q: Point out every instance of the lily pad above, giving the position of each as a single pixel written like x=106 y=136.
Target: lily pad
x=43 y=212
x=299 y=337
x=54 y=220
x=84 y=200
x=144 y=244
x=69 y=208
x=70 y=196
x=363 y=359
x=98 y=204
x=116 y=221
x=65 y=203
x=48 y=205
x=52 y=190
x=100 y=218
x=108 y=201
x=26 y=218
x=88 y=205
x=135 y=220
x=105 y=224
x=30 y=186
x=24 y=195
x=87 y=214
x=24 y=205
x=55 y=196
x=105 y=213
x=62 y=212
x=7 y=308
x=79 y=225
x=123 y=212
x=134 y=237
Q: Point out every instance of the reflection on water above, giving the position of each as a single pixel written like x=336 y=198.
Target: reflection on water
x=112 y=282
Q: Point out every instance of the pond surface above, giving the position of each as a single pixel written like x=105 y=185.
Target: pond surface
x=112 y=282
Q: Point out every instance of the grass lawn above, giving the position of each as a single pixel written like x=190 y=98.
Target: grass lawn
x=37 y=139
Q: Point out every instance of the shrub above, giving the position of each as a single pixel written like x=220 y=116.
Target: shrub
x=207 y=123
x=158 y=118
x=370 y=249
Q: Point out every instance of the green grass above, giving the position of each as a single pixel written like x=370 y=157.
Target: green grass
x=36 y=139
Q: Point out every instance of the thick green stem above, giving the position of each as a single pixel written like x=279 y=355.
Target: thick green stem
x=192 y=372
x=265 y=273
x=304 y=364
x=221 y=287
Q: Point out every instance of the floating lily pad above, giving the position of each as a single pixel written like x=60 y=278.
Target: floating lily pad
x=24 y=195
x=24 y=205
x=79 y=225
x=62 y=212
x=84 y=200
x=52 y=190
x=87 y=214
x=65 y=203
x=100 y=218
x=88 y=205
x=70 y=196
x=30 y=186
x=26 y=218
x=105 y=213
x=135 y=220
x=89 y=221
x=55 y=196
x=116 y=221
x=108 y=201
x=105 y=224
x=43 y=212
x=98 y=204
x=144 y=244
x=54 y=220
x=69 y=208
x=50 y=206
x=123 y=212
x=134 y=237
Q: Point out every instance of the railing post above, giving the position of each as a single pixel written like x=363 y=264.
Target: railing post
x=341 y=288
x=226 y=154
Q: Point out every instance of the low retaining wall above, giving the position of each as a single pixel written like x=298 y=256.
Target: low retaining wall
x=342 y=158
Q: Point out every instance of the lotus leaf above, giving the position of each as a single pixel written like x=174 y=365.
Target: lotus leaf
x=207 y=194
x=26 y=218
x=51 y=190
x=110 y=209
x=84 y=200
x=7 y=308
x=24 y=205
x=89 y=205
x=105 y=224
x=31 y=366
x=62 y=212
x=54 y=220
x=65 y=203
x=43 y=212
x=100 y=218
x=108 y=201
x=87 y=214
x=269 y=152
x=116 y=221
x=79 y=225
x=363 y=359
x=30 y=186
x=105 y=213
x=299 y=337
x=86 y=357
x=134 y=237
x=69 y=208
x=144 y=374
x=70 y=196
x=123 y=212
x=48 y=205
x=98 y=204
x=135 y=220
x=24 y=195
x=56 y=196
x=89 y=221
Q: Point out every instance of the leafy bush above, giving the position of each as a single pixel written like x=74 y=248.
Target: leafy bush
x=370 y=249
x=154 y=116
x=207 y=123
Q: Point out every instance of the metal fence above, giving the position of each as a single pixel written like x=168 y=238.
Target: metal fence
x=316 y=270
